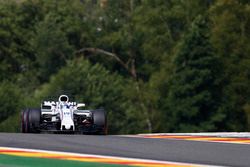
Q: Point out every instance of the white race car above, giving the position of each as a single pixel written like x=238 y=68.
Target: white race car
x=64 y=116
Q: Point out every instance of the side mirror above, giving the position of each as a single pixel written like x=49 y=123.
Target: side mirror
x=80 y=105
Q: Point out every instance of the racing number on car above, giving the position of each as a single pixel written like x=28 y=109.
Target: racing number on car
x=66 y=113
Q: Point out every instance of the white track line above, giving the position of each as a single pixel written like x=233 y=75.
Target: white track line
x=209 y=134
x=107 y=157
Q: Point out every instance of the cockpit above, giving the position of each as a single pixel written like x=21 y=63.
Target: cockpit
x=63 y=99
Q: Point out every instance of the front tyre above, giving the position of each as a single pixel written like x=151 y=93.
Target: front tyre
x=34 y=120
x=100 y=121
x=30 y=120
x=24 y=121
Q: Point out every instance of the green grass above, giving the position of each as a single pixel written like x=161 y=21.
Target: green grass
x=17 y=161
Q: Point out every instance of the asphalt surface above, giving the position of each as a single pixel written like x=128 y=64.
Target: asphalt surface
x=157 y=149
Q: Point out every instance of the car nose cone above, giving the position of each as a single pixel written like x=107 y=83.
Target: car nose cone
x=67 y=127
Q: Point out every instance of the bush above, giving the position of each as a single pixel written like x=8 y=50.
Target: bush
x=11 y=100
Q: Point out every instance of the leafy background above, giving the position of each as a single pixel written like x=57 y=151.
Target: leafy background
x=155 y=66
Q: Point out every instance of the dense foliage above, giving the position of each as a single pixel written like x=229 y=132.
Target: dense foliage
x=155 y=66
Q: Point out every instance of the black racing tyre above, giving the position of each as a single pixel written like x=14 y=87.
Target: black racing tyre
x=34 y=119
x=24 y=121
x=100 y=121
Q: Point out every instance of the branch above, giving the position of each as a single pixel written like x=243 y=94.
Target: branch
x=112 y=55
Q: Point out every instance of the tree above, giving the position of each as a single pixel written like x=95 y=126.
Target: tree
x=51 y=46
x=230 y=37
x=118 y=50
x=63 y=28
x=193 y=100
x=16 y=52
x=11 y=100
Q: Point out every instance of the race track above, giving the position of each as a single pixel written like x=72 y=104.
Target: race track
x=198 y=152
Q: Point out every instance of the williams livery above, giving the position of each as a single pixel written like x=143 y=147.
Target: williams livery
x=63 y=116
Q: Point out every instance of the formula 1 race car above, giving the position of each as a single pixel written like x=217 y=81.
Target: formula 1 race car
x=64 y=116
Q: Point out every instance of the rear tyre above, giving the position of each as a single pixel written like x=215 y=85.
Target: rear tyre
x=100 y=121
